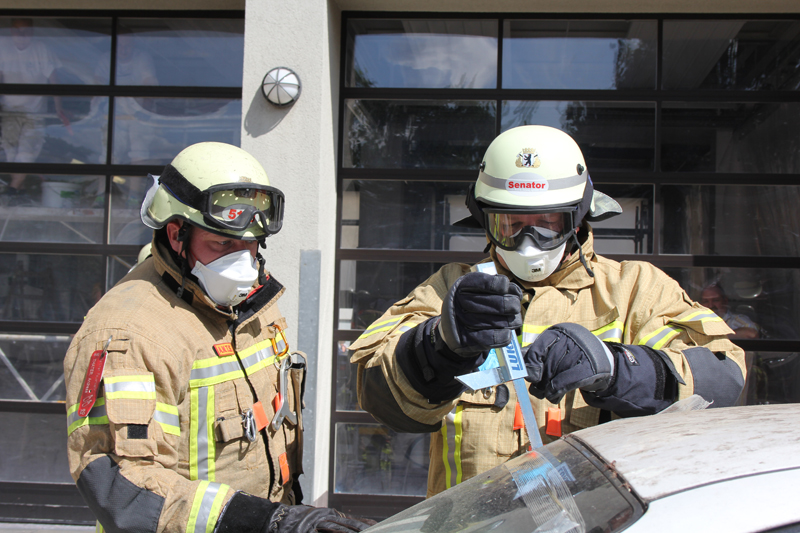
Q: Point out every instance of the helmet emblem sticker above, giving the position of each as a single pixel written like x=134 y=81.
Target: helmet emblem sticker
x=528 y=158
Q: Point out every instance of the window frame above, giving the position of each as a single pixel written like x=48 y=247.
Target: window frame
x=381 y=506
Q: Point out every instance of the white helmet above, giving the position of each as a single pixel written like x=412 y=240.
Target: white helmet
x=532 y=193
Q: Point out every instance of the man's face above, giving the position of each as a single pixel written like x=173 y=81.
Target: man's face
x=205 y=246
x=21 y=33
x=513 y=224
x=714 y=300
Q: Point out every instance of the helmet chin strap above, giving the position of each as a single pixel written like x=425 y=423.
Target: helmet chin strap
x=262 y=275
x=183 y=238
x=580 y=254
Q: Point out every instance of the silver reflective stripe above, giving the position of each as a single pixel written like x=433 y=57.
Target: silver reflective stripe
x=451 y=466
x=657 y=340
x=552 y=185
x=215 y=370
x=206 y=507
x=169 y=419
x=201 y=460
x=261 y=355
x=95 y=412
x=611 y=334
x=130 y=386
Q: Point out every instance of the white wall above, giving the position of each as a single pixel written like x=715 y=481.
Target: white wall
x=297 y=147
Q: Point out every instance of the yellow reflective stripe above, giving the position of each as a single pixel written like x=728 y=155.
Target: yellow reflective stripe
x=96 y=416
x=529 y=333
x=660 y=337
x=214 y=370
x=202 y=444
x=698 y=316
x=610 y=333
x=167 y=416
x=206 y=507
x=130 y=387
x=381 y=326
x=98 y=527
x=452 y=434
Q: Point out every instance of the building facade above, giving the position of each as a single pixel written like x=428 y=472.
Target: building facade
x=689 y=118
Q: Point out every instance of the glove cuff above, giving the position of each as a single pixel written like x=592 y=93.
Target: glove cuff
x=246 y=513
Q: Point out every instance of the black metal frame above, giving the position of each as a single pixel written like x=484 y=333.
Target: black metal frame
x=56 y=502
x=382 y=505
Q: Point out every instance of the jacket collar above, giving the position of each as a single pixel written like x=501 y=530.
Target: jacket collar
x=570 y=274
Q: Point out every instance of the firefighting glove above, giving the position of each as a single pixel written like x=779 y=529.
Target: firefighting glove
x=245 y=513
x=629 y=380
x=480 y=312
x=566 y=357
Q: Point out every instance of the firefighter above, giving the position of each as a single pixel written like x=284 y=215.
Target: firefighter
x=176 y=375
x=599 y=338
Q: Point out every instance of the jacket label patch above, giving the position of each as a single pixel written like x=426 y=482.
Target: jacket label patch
x=630 y=357
x=224 y=349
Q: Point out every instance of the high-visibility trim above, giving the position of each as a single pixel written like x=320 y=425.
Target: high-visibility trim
x=699 y=316
x=130 y=387
x=660 y=337
x=202 y=445
x=167 y=416
x=261 y=354
x=206 y=507
x=214 y=370
x=452 y=435
x=97 y=416
x=98 y=528
x=529 y=333
x=377 y=327
x=611 y=332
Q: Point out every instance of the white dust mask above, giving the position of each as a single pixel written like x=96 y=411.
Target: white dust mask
x=530 y=263
x=229 y=279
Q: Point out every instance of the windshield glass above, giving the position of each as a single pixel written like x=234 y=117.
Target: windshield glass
x=557 y=489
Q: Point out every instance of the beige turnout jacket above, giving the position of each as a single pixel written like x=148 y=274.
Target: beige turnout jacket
x=164 y=447
x=631 y=302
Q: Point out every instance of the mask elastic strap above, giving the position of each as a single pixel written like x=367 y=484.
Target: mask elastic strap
x=580 y=254
x=183 y=238
x=262 y=275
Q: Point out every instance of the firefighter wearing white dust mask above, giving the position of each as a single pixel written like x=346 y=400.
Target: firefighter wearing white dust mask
x=183 y=397
x=600 y=339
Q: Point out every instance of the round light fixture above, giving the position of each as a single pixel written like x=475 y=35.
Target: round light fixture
x=281 y=86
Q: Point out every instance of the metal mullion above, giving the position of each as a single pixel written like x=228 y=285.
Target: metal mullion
x=410 y=256
x=79 y=170
x=39 y=327
x=66 y=248
x=188 y=91
x=378 y=174
x=28 y=406
x=109 y=13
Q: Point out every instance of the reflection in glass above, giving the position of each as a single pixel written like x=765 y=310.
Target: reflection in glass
x=772 y=377
x=153 y=130
x=731 y=54
x=407 y=214
x=47 y=129
x=29 y=450
x=346 y=377
x=745 y=220
x=617 y=136
x=373 y=459
x=632 y=231
x=765 y=299
x=579 y=54
x=127 y=193
x=417 y=134
x=32 y=367
x=60 y=50
x=422 y=53
x=49 y=287
x=177 y=51
x=735 y=137
x=118 y=267
x=50 y=208
x=368 y=288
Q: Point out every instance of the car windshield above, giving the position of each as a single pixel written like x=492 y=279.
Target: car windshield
x=561 y=488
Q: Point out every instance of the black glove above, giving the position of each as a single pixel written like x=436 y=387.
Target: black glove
x=246 y=513
x=480 y=312
x=566 y=357
x=305 y=519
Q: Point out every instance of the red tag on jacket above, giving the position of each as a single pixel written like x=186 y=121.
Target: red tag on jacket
x=91 y=383
x=260 y=416
x=519 y=422
x=285 y=474
x=553 y=427
x=224 y=349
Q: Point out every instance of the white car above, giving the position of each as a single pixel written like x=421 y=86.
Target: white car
x=731 y=470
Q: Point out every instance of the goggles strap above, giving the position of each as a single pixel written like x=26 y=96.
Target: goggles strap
x=580 y=254
x=183 y=238
x=262 y=275
x=182 y=189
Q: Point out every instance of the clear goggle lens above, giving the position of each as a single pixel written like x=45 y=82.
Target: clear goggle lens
x=548 y=230
x=236 y=208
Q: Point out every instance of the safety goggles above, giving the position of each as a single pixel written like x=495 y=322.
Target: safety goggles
x=236 y=208
x=507 y=228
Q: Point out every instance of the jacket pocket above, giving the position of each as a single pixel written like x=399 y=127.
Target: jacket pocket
x=130 y=397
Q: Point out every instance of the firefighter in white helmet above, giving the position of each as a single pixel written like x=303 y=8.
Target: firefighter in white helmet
x=183 y=397
x=600 y=339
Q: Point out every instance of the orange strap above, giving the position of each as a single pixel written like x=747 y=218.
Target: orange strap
x=553 y=425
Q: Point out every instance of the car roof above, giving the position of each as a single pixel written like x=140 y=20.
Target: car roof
x=668 y=453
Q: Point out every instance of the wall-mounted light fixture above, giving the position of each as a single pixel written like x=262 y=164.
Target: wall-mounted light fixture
x=281 y=86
